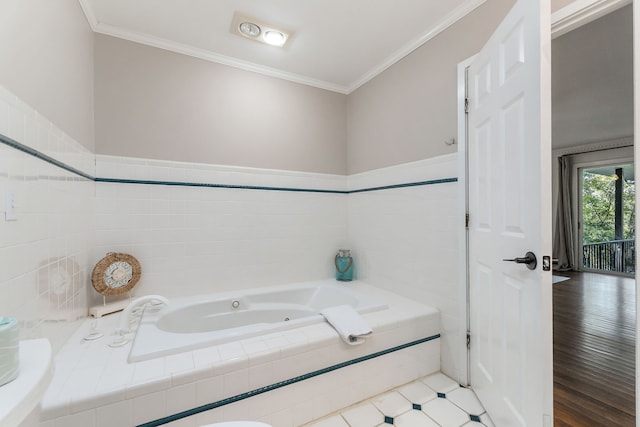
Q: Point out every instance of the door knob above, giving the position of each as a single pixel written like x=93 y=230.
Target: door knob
x=529 y=259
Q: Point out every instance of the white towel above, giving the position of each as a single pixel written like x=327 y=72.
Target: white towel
x=347 y=322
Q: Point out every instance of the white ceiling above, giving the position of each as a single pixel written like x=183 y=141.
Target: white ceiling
x=336 y=44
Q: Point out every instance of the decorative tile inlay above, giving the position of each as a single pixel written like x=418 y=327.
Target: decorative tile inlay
x=392 y=404
x=417 y=392
x=435 y=412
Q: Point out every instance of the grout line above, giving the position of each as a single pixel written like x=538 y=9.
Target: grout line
x=232 y=399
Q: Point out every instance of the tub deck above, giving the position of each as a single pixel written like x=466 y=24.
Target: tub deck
x=303 y=367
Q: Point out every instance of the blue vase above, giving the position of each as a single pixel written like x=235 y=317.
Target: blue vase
x=344 y=265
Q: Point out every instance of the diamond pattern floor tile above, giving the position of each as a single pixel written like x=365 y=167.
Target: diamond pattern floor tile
x=440 y=383
x=446 y=413
x=366 y=415
x=335 y=421
x=486 y=420
x=417 y=392
x=466 y=400
x=391 y=404
x=414 y=419
x=415 y=405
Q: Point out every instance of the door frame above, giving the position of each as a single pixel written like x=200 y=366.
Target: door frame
x=572 y=16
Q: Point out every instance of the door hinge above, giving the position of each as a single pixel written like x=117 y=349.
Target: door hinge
x=466 y=105
x=466 y=220
x=468 y=340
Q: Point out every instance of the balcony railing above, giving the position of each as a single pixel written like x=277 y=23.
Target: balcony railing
x=617 y=256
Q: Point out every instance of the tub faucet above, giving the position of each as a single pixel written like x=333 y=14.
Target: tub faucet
x=125 y=317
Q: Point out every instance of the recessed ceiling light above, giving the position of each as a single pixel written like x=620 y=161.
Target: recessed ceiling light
x=249 y=29
x=274 y=38
x=254 y=29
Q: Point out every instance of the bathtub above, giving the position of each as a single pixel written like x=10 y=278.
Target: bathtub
x=284 y=378
x=195 y=322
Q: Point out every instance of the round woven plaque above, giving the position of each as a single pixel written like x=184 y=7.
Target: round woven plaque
x=116 y=274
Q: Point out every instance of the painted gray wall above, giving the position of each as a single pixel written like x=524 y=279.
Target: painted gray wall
x=406 y=113
x=592 y=81
x=151 y=103
x=559 y=4
x=46 y=59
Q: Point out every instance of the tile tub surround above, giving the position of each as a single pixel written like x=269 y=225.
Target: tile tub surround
x=93 y=379
x=66 y=224
x=44 y=254
x=405 y=240
x=212 y=239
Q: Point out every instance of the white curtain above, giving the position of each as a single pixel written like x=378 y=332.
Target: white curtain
x=563 y=249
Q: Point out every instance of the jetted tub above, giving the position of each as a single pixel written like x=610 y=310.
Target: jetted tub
x=195 y=322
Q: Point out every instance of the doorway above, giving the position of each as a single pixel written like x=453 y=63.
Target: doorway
x=594 y=303
x=566 y=20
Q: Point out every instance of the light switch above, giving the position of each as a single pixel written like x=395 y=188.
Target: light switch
x=10 y=205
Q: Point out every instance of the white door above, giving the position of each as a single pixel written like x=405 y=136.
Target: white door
x=509 y=143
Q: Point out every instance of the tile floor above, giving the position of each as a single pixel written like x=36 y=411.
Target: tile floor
x=432 y=401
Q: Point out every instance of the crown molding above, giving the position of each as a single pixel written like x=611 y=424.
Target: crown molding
x=594 y=146
x=88 y=13
x=581 y=12
x=206 y=55
x=114 y=31
x=570 y=17
x=453 y=17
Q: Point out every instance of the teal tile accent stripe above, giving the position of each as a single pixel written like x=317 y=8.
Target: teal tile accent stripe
x=198 y=184
x=280 y=384
x=253 y=187
x=409 y=184
x=40 y=155
x=35 y=153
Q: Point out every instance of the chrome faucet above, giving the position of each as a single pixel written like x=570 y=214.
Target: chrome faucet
x=137 y=305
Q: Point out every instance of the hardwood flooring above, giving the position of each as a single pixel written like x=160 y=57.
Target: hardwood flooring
x=594 y=350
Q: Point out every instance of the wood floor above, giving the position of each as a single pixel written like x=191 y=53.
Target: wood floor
x=594 y=350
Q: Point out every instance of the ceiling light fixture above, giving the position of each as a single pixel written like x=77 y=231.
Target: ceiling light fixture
x=249 y=29
x=274 y=38
x=256 y=30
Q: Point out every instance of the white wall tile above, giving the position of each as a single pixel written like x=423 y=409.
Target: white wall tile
x=235 y=383
x=215 y=239
x=81 y=419
x=405 y=240
x=209 y=390
x=181 y=398
x=44 y=267
x=149 y=407
x=117 y=414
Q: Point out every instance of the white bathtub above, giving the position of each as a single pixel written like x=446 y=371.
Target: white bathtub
x=195 y=322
